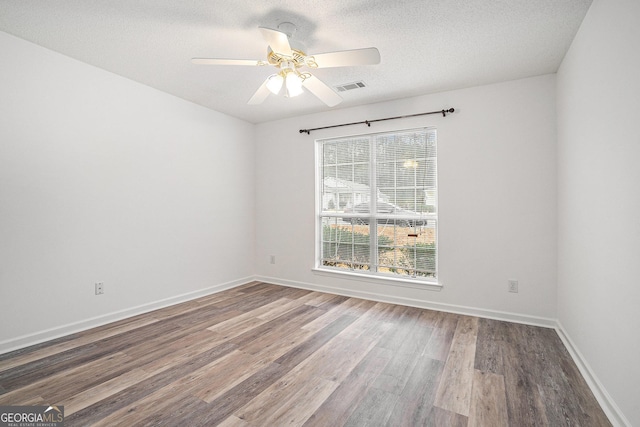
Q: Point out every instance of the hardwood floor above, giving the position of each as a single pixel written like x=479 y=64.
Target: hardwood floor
x=266 y=355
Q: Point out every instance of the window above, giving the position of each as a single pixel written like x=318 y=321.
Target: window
x=377 y=204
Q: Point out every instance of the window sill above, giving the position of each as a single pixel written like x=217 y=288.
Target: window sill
x=407 y=283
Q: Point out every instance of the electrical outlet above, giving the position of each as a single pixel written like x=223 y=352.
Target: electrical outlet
x=99 y=288
x=513 y=286
x=273 y=259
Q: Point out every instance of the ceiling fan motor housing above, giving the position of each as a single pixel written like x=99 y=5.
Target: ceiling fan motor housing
x=298 y=58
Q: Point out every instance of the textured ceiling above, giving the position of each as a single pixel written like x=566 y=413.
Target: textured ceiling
x=426 y=46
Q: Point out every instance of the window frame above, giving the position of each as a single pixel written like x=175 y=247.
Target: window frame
x=415 y=281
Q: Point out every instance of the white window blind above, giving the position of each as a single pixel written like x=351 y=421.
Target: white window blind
x=377 y=198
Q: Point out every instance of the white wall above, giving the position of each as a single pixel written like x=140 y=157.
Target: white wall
x=599 y=197
x=497 y=200
x=104 y=179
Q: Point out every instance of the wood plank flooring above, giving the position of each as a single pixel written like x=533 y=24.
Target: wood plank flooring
x=266 y=355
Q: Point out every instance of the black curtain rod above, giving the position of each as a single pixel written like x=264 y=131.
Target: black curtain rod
x=368 y=122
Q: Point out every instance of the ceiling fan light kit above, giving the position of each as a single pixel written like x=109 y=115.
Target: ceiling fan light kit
x=291 y=78
x=274 y=83
x=293 y=83
x=289 y=60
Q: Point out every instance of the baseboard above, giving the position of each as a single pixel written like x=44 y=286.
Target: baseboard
x=610 y=408
x=449 y=308
x=71 y=328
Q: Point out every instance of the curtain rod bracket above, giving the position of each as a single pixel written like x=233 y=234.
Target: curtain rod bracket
x=368 y=122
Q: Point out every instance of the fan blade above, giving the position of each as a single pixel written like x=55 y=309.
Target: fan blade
x=367 y=56
x=279 y=42
x=260 y=95
x=322 y=91
x=221 y=61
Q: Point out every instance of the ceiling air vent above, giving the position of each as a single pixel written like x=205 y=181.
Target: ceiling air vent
x=350 y=86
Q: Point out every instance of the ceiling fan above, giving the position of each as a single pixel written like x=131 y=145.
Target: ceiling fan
x=291 y=61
